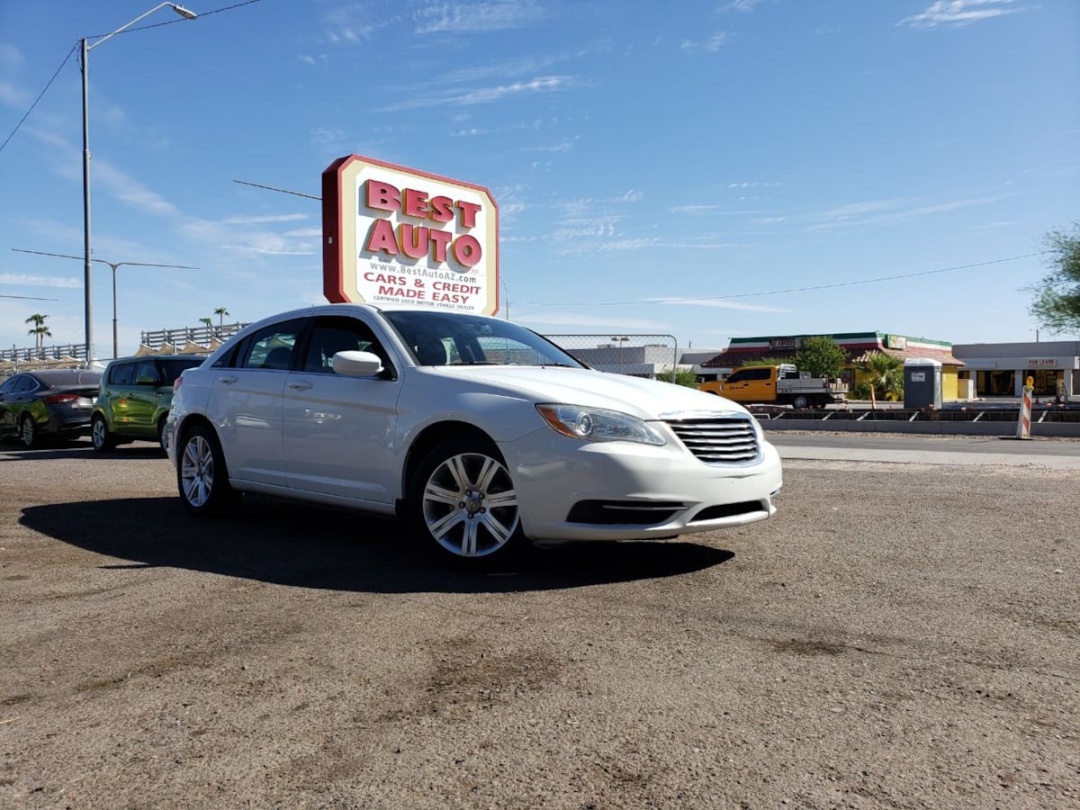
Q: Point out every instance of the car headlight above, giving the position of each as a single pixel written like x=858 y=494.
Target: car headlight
x=599 y=425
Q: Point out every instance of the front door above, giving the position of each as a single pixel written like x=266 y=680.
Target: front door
x=339 y=431
x=143 y=399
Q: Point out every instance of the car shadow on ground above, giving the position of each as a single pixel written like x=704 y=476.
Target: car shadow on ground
x=312 y=547
x=79 y=449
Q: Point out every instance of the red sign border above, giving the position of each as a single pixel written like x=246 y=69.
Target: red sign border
x=333 y=223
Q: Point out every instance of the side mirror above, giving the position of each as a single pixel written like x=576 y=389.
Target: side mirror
x=356 y=364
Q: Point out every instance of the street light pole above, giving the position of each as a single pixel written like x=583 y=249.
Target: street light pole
x=113 y=265
x=87 y=249
x=620 y=339
x=88 y=298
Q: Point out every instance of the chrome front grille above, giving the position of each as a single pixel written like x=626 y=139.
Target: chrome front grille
x=718 y=439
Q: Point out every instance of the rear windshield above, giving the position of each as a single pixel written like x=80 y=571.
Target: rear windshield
x=68 y=376
x=171 y=368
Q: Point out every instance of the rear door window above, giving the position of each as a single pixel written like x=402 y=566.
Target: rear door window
x=271 y=347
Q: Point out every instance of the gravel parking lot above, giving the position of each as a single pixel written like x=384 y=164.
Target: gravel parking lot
x=899 y=635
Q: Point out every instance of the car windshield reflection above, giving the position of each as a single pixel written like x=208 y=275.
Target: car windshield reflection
x=449 y=339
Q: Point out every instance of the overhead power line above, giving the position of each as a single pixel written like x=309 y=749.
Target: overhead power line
x=280 y=190
x=132 y=30
x=791 y=289
x=36 y=100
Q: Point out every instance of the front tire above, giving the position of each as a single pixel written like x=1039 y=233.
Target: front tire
x=462 y=504
x=201 y=475
x=100 y=436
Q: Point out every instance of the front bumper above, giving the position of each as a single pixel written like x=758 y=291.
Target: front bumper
x=569 y=490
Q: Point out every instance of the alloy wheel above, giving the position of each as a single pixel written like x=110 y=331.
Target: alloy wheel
x=197 y=471
x=470 y=507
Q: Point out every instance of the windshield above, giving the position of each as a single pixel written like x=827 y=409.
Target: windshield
x=447 y=338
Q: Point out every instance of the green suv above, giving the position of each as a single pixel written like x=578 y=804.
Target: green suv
x=136 y=393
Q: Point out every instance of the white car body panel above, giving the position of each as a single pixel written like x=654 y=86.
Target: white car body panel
x=344 y=440
x=339 y=436
x=245 y=405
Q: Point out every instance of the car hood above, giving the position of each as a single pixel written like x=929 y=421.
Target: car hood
x=646 y=399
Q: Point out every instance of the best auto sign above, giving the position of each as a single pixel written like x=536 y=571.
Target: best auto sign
x=393 y=235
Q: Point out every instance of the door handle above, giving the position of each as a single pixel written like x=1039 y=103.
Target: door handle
x=301 y=385
x=229 y=380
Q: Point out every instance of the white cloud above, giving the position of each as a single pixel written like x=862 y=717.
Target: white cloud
x=578 y=319
x=13 y=96
x=712 y=44
x=255 y=220
x=485 y=95
x=558 y=148
x=717 y=41
x=741 y=5
x=10 y=56
x=477 y=17
x=719 y=303
x=881 y=211
x=39 y=281
x=539 y=84
x=129 y=190
x=959 y=12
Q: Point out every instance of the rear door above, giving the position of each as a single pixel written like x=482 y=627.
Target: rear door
x=245 y=402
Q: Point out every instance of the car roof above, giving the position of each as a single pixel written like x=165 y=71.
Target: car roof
x=65 y=376
x=139 y=357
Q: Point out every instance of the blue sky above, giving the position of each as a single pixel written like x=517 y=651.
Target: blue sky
x=708 y=170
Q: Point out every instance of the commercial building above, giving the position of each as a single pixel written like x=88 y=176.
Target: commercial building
x=1002 y=369
x=955 y=378
x=969 y=370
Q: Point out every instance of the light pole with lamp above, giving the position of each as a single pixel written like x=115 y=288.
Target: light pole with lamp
x=113 y=265
x=87 y=250
x=621 y=340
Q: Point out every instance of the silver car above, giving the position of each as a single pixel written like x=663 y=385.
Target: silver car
x=481 y=434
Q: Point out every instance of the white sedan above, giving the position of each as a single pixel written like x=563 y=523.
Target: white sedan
x=479 y=433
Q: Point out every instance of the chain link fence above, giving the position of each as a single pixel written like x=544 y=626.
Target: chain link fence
x=654 y=356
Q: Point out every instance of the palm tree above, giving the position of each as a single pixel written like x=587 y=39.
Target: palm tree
x=208 y=322
x=883 y=372
x=221 y=312
x=40 y=331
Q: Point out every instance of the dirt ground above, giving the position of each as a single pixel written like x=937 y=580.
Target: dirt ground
x=899 y=635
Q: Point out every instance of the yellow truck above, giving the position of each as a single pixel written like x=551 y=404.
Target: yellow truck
x=777 y=385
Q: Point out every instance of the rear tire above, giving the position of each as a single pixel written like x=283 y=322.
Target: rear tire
x=100 y=436
x=462 y=505
x=800 y=402
x=201 y=476
x=161 y=433
x=28 y=431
